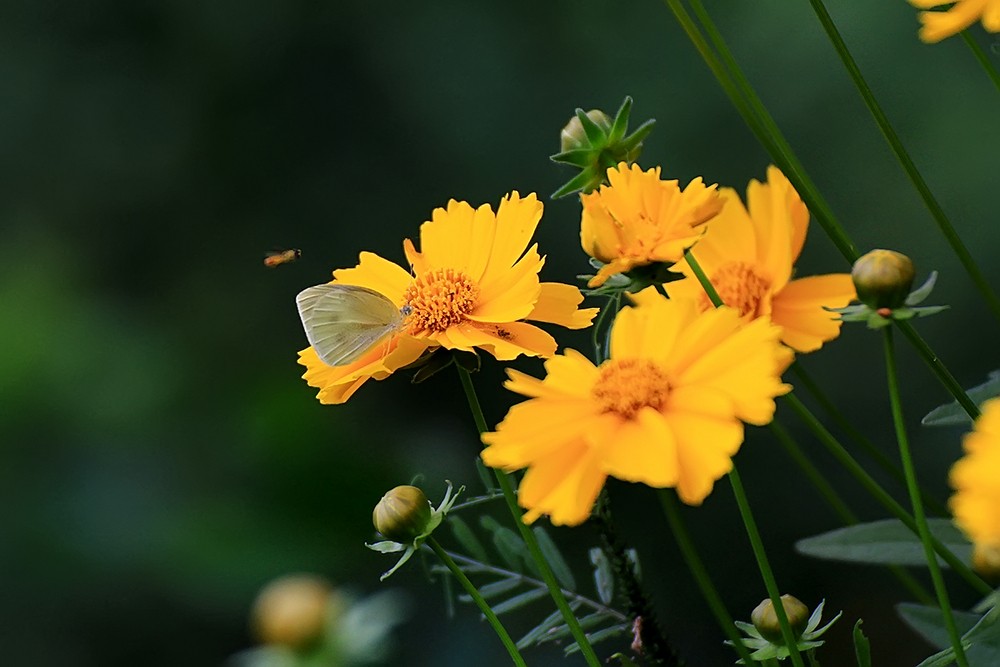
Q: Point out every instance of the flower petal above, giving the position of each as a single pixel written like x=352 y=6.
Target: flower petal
x=376 y=273
x=798 y=310
x=642 y=450
x=504 y=341
x=564 y=486
x=557 y=304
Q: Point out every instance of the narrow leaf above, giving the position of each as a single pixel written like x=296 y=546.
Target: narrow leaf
x=604 y=579
x=520 y=600
x=486 y=476
x=598 y=636
x=886 y=542
x=495 y=588
x=862 y=649
x=536 y=633
x=983 y=647
x=555 y=558
x=473 y=547
x=952 y=413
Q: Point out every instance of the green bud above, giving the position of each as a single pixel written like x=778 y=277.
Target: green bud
x=403 y=514
x=574 y=136
x=883 y=279
x=765 y=619
x=292 y=611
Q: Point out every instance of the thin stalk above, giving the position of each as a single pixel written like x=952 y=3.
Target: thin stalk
x=704 y=581
x=878 y=493
x=981 y=56
x=764 y=566
x=883 y=462
x=943 y=374
x=781 y=152
x=503 y=479
x=918 y=507
x=484 y=607
x=943 y=223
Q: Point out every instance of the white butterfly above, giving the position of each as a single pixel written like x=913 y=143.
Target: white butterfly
x=343 y=322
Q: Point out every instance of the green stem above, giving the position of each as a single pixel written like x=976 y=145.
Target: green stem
x=944 y=225
x=484 y=607
x=939 y=369
x=981 y=56
x=764 y=566
x=883 y=462
x=529 y=537
x=878 y=493
x=918 y=507
x=697 y=568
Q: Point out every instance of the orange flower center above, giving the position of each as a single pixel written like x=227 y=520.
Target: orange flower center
x=438 y=300
x=625 y=386
x=740 y=287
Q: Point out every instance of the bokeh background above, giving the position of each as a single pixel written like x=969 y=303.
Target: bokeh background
x=160 y=459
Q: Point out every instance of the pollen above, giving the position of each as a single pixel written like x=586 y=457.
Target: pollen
x=438 y=300
x=741 y=287
x=625 y=386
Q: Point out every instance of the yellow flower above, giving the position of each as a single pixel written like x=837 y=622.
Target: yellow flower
x=938 y=25
x=639 y=219
x=666 y=409
x=749 y=258
x=474 y=281
x=976 y=480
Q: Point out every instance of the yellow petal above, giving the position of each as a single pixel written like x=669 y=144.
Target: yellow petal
x=511 y=295
x=642 y=450
x=563 y=486
x=557 y=304
x=516 y=221
x=705 y=446
x=378 y=274
x=338 y=383
x=799 y=310
x=534 y=428
x=567 y=375
x=446 y=238
x=504 y=341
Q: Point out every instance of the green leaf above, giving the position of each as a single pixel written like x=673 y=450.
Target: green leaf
x=886 y=542
x=496 y=588
x=952 y=413
x=486 y=476
x=981 y=635
x=599 y=636
x=520 y=600
x=862 y=649
x=604 y=578
x=473 y=547
x=555 y=559
x=508 y=544
x=542 y=628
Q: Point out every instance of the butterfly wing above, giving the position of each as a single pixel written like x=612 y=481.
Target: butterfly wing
x=343 y=322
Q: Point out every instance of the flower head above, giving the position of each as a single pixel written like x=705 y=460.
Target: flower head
x=749 y=253
x=474 y=281
x=962 y=14
x=639 y=219
x=666 y=409
x=976 y=480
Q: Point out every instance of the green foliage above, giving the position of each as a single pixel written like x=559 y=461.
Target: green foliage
x=980 y=634
x=862 y=649
x=885 y=542
x=951 y=414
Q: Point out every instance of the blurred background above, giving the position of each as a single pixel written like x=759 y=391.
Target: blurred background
x=161 y=460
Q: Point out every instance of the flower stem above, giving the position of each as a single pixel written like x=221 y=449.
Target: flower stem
x=655 y=645
x=529 y=537
x=501 y=631
x=981 y=56
x=944 y=225
x=764 y=566
x=939 y=369
x=878 y=493
x=697 y=568
x=918 y=507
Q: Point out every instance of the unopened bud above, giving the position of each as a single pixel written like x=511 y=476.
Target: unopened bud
x=403 y=514
x=765 y=619
x=986 y=561
x=883 y=279
x=574 y=136
x=292 y=611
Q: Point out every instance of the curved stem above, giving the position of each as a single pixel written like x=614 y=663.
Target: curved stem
x=918 y=507
x=484 y=607
x=944 y=225
x=697 y=568
x=529 y=537
x=765 y=567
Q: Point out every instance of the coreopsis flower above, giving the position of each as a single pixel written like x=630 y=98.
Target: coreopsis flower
x=936 y=26
x=474 y=282
x=976 y=480
x=666 y=409
x=639 y=219
x=749 y=252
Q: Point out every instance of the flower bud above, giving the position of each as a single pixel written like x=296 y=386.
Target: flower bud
x=883 y=278
x=766 y=620
x=292 y=611
x=574 y=136
x=986 y=561
x=403 y=514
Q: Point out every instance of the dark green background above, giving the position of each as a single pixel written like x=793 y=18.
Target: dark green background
x=160 y=459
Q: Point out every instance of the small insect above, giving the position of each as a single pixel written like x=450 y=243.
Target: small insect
x=343 y=322
x=277 y=257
